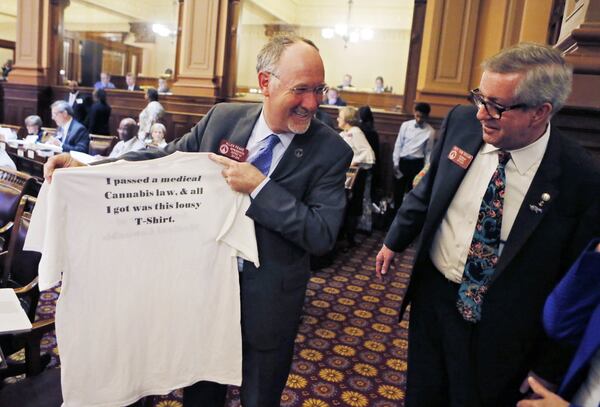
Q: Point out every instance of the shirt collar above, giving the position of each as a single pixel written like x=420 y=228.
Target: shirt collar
x=527 y=156
x=263 y=131
x=66 y=126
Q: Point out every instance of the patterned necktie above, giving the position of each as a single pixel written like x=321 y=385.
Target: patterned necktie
x=264 y=156
x=483 y=252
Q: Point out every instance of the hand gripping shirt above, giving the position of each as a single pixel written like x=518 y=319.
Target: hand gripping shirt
x=150 y=296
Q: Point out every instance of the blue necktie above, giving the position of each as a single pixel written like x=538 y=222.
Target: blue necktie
x=264 y=156
x=483 y=252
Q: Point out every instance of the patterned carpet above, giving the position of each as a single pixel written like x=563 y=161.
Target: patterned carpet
x=350 y=350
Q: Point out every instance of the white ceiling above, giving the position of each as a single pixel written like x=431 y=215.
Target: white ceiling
x=114 y=15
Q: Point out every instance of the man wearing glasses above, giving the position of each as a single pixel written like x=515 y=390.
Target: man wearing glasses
x=294 y=173
x=505 y=207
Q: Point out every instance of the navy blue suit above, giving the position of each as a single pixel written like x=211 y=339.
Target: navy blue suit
x=572 y=314
x=77 y=139
x=484 y=363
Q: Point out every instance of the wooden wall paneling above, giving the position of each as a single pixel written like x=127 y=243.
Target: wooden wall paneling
x=21 y=101
x=582 y=125
x=449 y=39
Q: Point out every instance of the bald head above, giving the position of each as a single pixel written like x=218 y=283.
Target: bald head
x=127 y=129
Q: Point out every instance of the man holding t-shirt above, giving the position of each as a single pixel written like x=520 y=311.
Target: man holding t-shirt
x=296 y=183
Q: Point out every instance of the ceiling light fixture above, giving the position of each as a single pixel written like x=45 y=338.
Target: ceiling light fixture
x=346 y=33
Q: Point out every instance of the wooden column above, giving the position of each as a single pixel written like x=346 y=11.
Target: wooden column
x=30 y=53
x=580 y=41
x=460 y=34
x=201 y=47
x=414 y=56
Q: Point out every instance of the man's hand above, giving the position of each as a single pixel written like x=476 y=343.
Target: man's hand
x=241 y=177
x=63 y=160
x=547 y=398
x=54 y=141
x=383 y=261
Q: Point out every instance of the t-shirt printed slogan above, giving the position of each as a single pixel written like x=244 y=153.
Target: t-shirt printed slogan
x=173 y=194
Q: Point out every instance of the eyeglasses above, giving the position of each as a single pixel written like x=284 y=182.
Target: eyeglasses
x=303 y=90
x=492 y=108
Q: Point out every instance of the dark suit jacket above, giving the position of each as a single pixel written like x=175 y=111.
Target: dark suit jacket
x=97 y=120
x=572 y=314
x=135 y=87
x=80 y=110
x=78 y=138
x=297 y=213
x=540 y=247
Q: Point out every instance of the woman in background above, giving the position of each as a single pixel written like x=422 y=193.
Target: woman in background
x=159 y=133
x=363 y=158
x=33 y=124
x=150 y=115
x=99 y=115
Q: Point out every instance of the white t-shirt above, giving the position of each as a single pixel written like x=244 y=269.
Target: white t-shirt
x=150 y=291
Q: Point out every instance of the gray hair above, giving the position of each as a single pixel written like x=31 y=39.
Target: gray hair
x=548 y=78
x=268 y=57
x=159 y=126
x=33 y=120
x=62 y=106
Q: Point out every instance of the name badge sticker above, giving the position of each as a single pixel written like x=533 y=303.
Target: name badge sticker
x=233 y=151
x=460 y=157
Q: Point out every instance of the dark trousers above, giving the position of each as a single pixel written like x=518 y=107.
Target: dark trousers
x=264 y=374
x=442 y=369
x=409 y=168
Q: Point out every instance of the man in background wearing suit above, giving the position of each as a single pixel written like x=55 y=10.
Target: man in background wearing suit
x=296 y=183
x=79 y=102
x=506 y=206
x=130 y=80
x=70 y=135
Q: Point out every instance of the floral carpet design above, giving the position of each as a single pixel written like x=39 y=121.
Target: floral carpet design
x=351 y=349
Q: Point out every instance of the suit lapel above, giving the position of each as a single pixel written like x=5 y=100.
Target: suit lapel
x=529 y=216
x=243 y=128
x=451 y=175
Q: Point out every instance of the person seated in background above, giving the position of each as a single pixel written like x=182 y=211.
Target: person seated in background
x=364 y=158
x=333 y=98
x=163 y=85
x=130 y=80
x=411 y=150
x=6 y=68
x=128 y=138
x=80 y=103
x=168 y=73
x=379 y=86
x=70 y=135
x=99 y=116
x=572 y=314
x=104 y=82
x=33 y=124
x=346 y=82
x=150 y=115
x=159 y=133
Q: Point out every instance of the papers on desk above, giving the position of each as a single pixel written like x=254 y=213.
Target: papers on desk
x=13 y=318
x=7 y=134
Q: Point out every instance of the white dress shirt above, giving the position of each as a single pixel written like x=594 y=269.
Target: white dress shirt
x=453 y=238
x=64 y=130
x=363 y=153
x=413 y=141
x=122 y=147
x=260 y=132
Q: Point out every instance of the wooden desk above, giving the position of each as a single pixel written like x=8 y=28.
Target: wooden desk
x=26 y=160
